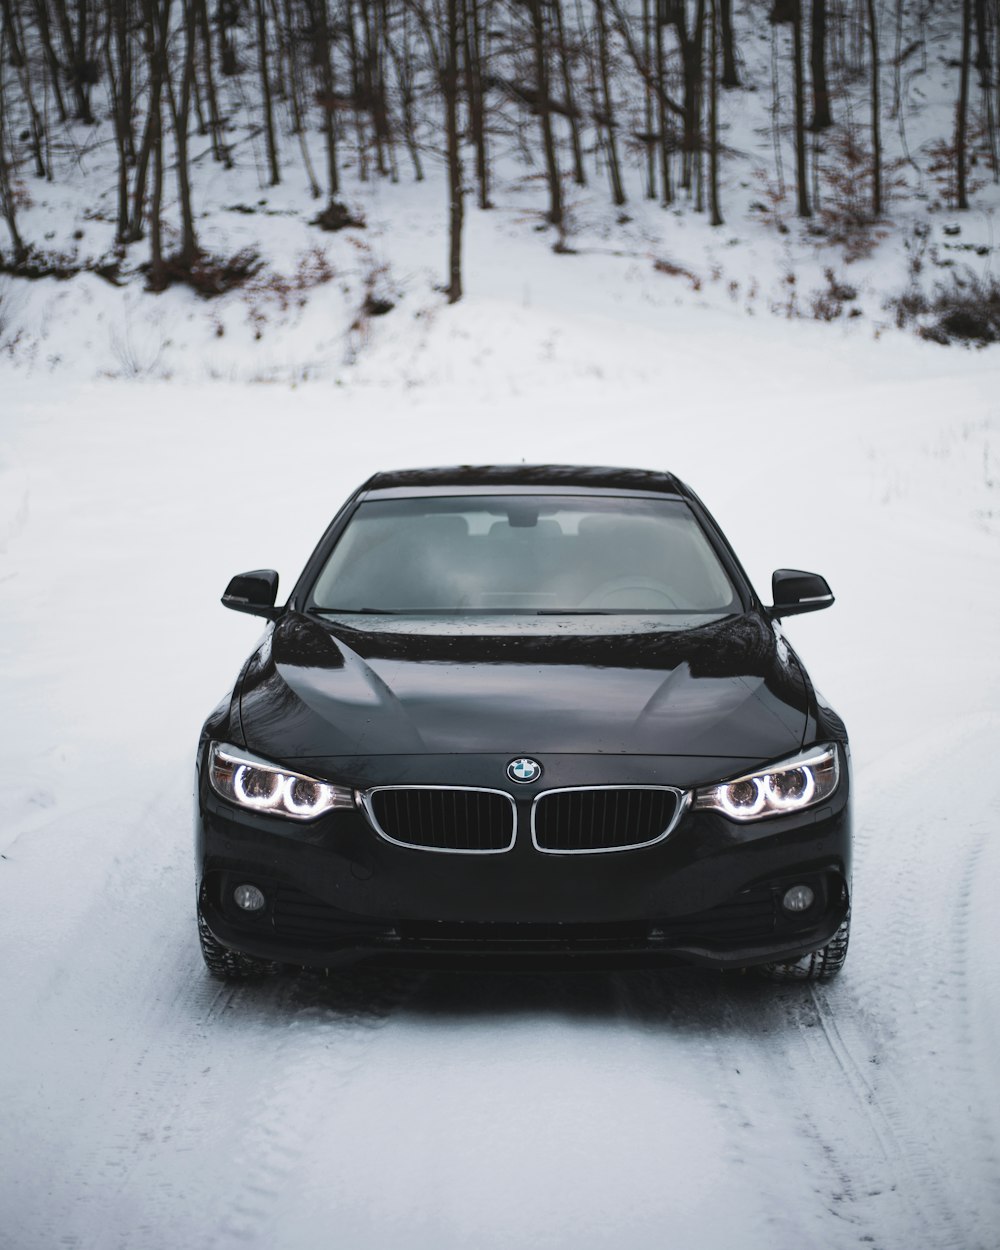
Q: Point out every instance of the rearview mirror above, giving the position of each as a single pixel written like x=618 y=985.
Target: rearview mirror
x=253 y=592
x=795 y=591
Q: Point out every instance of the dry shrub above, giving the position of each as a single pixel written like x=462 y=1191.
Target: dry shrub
x=828 y=303
x=965 y=311
x=845 y=213
x=337 y=216
x=210 y=276
x=673 y=270
x=269 y=288
x=62 y=266
x=942 y=167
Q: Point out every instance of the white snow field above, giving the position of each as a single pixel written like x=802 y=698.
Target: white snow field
x=145 y=1107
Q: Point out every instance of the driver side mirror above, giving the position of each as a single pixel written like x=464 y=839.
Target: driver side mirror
x=795 y=591
x=253 y=592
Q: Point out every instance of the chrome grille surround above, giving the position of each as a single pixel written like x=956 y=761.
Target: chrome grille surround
x=366 y=798
x=682 y=802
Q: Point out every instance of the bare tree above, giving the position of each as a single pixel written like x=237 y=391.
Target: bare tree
x=156 y=23
x=713 y=115
x=455 y=206
x=473 y=52
x=608 y=113
x=180 y=113
x=875 y=95
x=8 y=204
x=569 y=103
x=541 y=47
x=822 y=118
x=730 y=75
x=265 y=91
x=962 y=110
x=80 y=66
x=789 y=13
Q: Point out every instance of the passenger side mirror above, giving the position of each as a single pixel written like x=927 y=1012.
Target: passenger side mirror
x=794 y=591
x=253 y=592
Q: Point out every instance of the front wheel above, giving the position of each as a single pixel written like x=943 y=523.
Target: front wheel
x=821 y=965
x=228 y=965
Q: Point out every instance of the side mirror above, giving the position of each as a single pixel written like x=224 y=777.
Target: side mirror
x=253 y=592
x=795 y=591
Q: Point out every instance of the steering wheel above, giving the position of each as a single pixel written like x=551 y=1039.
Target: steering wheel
x=647 y=588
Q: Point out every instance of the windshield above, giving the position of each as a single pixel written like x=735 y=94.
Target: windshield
x=524 y=554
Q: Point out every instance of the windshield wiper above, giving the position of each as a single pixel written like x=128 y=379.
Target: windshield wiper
x=358 y=611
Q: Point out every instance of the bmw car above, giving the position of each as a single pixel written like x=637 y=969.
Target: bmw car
x=521 y=716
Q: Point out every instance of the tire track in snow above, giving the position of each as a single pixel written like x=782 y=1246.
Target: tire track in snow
x=898 y=1022
x=335 y=1025
x=733 y=1042
x=905 y=1166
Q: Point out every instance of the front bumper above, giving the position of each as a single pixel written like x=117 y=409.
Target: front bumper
x=710 y=894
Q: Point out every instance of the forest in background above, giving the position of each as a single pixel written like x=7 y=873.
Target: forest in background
x=622 y=93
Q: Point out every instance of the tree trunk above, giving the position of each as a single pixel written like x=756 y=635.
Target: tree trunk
x=7 y=204
x=403 y=62
x=180 y=110
x=730 y=76
x=647 y=54
x=801 y=171
x=14 y=32
x=545 y=112
x=692 y=55
x=51 y=59
x=473 y=42
x=156 y=24
x=661 y=112
x=295 y=93
x=450 y=89
x=117 y=56
x=876 y=130
x=713 y=119
x=357 y=91
x=9 y=37
x=614 y=170
x=265 y=86
x=75 y=57
x=325 y=53
x=821 y=118
x=372 y=82
x=157 y=268
x=572 y=113
x=220 y=149
x=962 y=111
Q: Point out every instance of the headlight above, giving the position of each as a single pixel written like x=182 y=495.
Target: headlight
x=249 y=781
x=790 y=786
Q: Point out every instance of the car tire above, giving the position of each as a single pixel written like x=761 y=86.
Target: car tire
x=821 y=965
x=229 y=965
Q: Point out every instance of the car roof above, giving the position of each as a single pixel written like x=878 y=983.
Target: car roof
x=560 y=476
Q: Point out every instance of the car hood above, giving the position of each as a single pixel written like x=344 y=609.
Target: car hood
x=317 y=688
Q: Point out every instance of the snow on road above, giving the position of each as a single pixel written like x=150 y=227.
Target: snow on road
x=147 y=1107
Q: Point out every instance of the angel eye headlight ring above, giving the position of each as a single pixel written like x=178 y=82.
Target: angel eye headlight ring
x=791 y=785
x=248 y=781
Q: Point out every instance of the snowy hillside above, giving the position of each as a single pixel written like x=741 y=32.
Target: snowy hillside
x=300 y=302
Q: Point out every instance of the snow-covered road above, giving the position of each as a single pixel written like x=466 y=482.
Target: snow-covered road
x=144 y=1106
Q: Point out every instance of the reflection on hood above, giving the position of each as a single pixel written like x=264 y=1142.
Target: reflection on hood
x=320 y=688
x=735 y=645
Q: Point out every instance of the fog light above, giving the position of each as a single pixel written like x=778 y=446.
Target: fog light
x=798 y=898
x=249 y=898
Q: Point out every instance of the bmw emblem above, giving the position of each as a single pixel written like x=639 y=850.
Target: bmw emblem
x=524 y=770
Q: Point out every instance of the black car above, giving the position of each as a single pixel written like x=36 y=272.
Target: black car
x=524 y=715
